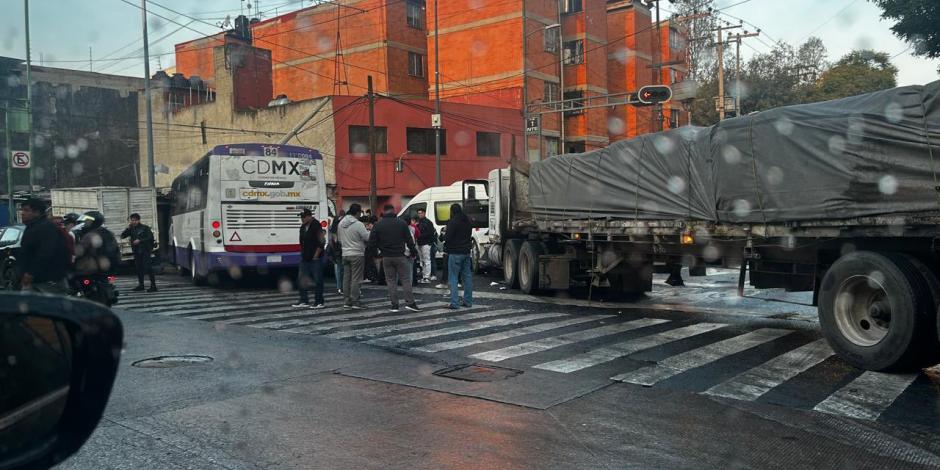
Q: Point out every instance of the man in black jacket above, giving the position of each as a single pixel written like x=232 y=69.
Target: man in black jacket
x=426 y=237
x=390 y=236
x=142 y=245
x=457 y=243
x=310 y=271
x=44 y=255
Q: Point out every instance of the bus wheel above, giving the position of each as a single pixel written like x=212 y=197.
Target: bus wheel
x=529 y=266
x=511 y=263
x=874 y=309
x=193 y=270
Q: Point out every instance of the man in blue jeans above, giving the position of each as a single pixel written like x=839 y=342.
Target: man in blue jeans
x=457 y=243
x=310 y=271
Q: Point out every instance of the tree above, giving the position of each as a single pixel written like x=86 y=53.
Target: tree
x=917 y=22
x=698 y=25
x=856 y=73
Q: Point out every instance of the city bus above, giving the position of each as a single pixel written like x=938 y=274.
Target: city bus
x=237 y=208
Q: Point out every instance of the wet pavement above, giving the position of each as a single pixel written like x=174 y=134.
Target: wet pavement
x=681 y=378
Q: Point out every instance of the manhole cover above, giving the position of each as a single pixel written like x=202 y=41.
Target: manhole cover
x=477 y=373
x=163 y=362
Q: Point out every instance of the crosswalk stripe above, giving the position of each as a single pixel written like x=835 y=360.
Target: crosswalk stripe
x=299 y=317
x=502 y=335
x=698 y=357
x=381 y=330
x=281 y=310
x=176 y=301
x=201 y=309
x=545 y=344
x=407 y=337
x=867 y=396
x=609 y=353
x=136 y=298
x=370 y=318
x=754 y=383
x=372 y=313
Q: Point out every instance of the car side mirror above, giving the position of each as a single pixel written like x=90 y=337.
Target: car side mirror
x=58 y=360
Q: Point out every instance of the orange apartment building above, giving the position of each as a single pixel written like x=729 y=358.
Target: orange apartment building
x=526 y=55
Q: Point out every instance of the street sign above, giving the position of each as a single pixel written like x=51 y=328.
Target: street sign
x=20 y=159
x=435 y=120
x=532 y=124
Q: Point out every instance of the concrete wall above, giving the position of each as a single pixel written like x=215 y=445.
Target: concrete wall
x=178 y=140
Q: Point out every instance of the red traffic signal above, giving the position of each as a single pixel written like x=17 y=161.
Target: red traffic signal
x=654 y=94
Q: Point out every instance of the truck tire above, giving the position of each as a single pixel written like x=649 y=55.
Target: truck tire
x=475 y=258
x=932 y=351
x=528 y=266
x=511 y=263
x=874 y=309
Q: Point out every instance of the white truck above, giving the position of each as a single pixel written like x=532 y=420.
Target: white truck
x=116 y=203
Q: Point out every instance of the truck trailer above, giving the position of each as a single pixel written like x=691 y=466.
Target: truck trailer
x=840 y=198
x=116 y=203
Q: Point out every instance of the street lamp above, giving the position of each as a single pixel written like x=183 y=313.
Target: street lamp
x=399 y=166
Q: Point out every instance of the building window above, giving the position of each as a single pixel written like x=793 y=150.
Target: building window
x=551 y=38
x=572 y=6
x=551 y=92
x=415 y=13
x=574 y=147
x=574 y=52
x=575 y=107
x=415 y=65
x=676 y=40
x=359 y=139
x=551 y=146
x=488 y=144
x=421 y=141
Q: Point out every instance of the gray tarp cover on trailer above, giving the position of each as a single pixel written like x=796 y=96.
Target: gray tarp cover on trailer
x=866 y=155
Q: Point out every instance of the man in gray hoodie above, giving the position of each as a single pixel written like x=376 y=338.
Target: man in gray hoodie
x=352 y=238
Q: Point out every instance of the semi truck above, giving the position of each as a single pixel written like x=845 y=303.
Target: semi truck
x=840 y=198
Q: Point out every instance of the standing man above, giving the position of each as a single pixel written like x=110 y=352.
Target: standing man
x=336 y=251
x=45 y=256
x=457 y=243
x=310 y=271
x=142 y=245
x=426 y=237
x=391 y=235
x=352 y=236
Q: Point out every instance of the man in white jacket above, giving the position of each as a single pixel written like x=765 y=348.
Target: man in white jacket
x=352 y=239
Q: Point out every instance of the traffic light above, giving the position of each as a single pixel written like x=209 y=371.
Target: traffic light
x=654 y=94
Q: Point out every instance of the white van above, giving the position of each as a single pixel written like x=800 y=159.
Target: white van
x=436 y=201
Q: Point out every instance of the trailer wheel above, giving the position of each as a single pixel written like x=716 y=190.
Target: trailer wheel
x=874 y=309
x=529 y=266
x=475 y=258
x=511 y=263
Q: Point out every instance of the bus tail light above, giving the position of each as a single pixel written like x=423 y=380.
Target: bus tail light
x=216 y=224
x=216 y=233
x=324 y=223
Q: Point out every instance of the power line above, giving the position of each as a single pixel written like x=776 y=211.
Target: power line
x=824 y=23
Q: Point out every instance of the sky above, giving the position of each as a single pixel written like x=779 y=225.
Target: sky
x=62 y=31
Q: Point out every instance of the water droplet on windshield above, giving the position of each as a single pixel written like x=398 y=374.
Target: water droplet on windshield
x=742 y=208
x=774 y=176
x=462 y=138
x=888 y=185
x=77 y=169
x=731 y=154
x=82 y=144
x=784 y=126
x=837 y=145
x=676 y=184
x=615 y=125
x=894 y=112
x=663 y=144
x=72 y=151
x=59 y=152
x=11 y=359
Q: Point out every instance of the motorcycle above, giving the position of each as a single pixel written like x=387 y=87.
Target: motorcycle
x=97 y=288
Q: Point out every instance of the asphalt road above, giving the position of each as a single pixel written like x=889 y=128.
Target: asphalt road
x=681 y=378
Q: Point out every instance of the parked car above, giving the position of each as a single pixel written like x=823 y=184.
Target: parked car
x=10 y=238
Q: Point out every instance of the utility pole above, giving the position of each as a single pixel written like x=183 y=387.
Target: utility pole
x=29 y=97
x=151 y=178
x=737 y=68
x=721 y=69
x=90 y=68
x=373 y=197
x=656 y=120
x=437 y=101
x=8 y=158
x=525 y=85
x=561 y=81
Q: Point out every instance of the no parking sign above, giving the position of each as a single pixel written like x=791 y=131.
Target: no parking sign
x=20 y=159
